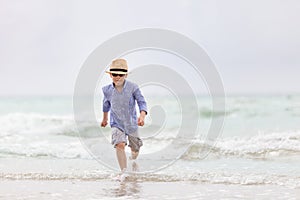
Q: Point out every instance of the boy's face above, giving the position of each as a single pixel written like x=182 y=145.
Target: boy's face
x=118 y=79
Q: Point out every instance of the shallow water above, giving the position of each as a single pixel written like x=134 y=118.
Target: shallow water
x=258 y=150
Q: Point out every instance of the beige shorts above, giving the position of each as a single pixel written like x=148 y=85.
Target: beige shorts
x=118 y=136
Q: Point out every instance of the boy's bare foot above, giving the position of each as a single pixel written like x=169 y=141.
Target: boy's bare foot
x=121 y=176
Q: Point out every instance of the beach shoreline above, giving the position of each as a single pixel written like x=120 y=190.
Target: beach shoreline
x=28 y=178
x=105 y=189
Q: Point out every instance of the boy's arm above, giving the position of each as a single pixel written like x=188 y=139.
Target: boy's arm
x=105 y=119
x=142 y=106
x=140 y=101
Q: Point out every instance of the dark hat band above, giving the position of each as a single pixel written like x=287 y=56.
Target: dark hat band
x=118 y=70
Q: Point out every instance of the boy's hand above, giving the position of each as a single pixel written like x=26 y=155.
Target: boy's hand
x=141 y=119
x=104 y=123
x=104 y=119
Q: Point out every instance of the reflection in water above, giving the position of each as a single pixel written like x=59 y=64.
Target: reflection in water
x=129 y=188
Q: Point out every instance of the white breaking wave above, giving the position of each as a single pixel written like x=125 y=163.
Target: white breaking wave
x=270 y=145
x=41 y=148
x=204 y=177
x=36 y=135
x=33 y=123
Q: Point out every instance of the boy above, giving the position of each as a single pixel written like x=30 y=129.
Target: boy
x=120 y=99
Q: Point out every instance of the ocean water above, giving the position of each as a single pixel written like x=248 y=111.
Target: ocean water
x=258 y=145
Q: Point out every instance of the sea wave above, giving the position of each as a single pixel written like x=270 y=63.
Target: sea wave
x=37 y=135
x=234 y=178
x=23 y=123
x=269 y=146
x=42 y=149
x=262 y=146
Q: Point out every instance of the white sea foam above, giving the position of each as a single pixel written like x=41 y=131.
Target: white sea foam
x=269 y=145
x=37 y=135
x=18 y=146
x=34 y=123
x=204 y=177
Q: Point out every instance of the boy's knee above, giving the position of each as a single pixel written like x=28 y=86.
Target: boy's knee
x=121 y=146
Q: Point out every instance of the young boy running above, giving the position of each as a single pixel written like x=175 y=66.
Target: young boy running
x=120 y=98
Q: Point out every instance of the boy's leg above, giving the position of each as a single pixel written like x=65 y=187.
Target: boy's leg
x=135 y=144
x=121 y=155
x=119 y=142
x=134 y=154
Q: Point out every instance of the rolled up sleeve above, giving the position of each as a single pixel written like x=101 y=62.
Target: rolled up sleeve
x=140 y=100
x=106 y=103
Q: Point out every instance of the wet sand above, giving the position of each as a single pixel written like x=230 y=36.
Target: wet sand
x=86 y=179
x=30 y=189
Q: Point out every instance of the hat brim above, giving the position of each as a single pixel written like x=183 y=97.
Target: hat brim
x=116 y=72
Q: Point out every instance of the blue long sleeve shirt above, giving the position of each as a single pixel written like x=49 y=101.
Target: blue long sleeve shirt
x=122 y=106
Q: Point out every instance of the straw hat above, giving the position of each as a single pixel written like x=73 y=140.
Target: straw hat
x=118 y=66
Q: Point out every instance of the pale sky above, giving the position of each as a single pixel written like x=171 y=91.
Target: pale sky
x=255 y=44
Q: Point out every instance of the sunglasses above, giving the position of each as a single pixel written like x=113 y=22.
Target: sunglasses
x=115 y=75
